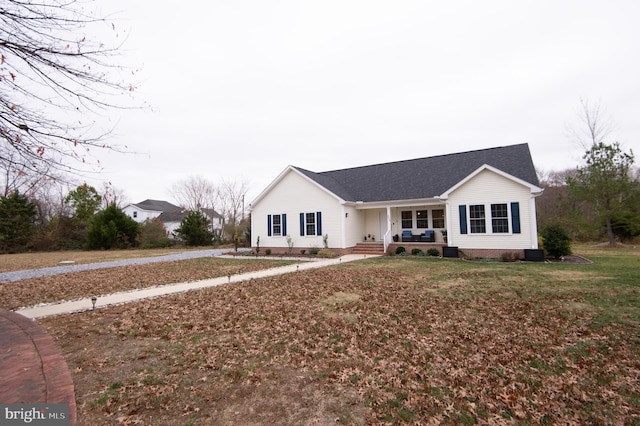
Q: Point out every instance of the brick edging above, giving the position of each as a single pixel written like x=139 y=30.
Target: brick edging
x=58 y=383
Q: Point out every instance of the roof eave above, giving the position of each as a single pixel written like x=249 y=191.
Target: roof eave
x=362 y=205
x=281 y=176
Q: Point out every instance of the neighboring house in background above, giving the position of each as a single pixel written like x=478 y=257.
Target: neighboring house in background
x=482 y=202
x=170 y=215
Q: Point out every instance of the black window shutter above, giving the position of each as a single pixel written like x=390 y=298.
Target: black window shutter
x=463 y=218
x=319 y=223
x=268 y=225
x=284 y=224
x=302 y=224
x=515 y=217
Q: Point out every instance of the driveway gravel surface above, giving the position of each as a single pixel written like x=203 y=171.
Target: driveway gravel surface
x=64 y=269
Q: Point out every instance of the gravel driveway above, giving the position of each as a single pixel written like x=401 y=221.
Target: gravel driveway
x=63 y=269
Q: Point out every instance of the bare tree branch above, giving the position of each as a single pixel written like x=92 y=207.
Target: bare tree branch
x=55 y=82
x=595 y=125
x=195 y=193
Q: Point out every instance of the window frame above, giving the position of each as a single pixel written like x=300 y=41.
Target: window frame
x=434 y=218
x=422 y=220
x=500 y=224
x=477 y=219
x=403 y=220
x=493 y=222
x=274 y=224
x=308 y=225
x=305 y=224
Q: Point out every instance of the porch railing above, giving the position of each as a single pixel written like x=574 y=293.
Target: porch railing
x=387 y=239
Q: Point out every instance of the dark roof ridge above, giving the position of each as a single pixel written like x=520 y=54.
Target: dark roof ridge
x=415 y=159
x=422 y=177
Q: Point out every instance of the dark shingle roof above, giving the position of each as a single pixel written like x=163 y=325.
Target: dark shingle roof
x=171 y=212
x=422 y=177
x=158 y=206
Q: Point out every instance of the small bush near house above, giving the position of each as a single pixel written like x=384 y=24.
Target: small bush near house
x=326 y=253
x=401 y=250
x=313 y=251
x=153 y=235
x=417 y=252
x=433 y=252
x=268 y=252
x=509 y=256
x=303 y=251
x=556 y=241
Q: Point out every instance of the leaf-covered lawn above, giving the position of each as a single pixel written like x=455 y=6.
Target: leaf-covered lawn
x=390 y=340
x=14 y=295
x=20 y=261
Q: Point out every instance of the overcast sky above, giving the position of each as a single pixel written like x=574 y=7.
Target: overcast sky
x=241 y=89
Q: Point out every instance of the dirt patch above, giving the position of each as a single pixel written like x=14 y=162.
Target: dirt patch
x=333 y=305
x=341 y=298
x=290 y=397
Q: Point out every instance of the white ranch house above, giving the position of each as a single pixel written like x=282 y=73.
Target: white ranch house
x=481 y=202
x=169 y=215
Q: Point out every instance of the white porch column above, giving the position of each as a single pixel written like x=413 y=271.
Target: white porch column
x=533 y=226
x=447 y=217
x=343 y=220
x=387 y=235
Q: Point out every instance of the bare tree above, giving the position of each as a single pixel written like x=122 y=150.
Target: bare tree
x=595 y=126
x=14 y=177
x=555 y=178
x=112 y=195
x=195 y=193
x=49 y=197
x=55 y=81
x=232 y=194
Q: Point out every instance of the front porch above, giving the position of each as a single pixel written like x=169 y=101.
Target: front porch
x=421 y=224
x=377 y=248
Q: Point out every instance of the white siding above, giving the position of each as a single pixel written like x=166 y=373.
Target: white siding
x=294 y=194
x=141 y=215
x=354 y=226
x=485 y=188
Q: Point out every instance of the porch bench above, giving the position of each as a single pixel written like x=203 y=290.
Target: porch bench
x=426 y=237
x=407 y=236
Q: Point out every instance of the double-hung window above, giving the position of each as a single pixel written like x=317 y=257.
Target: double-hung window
x=276 y=225
x=311 y=224
x=505 y=218
x=407 y=219
x=422 y=219
x=476 y=219
x=438 y=218
x=499 y=218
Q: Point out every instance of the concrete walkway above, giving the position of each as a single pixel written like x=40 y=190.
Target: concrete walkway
x=41 y=311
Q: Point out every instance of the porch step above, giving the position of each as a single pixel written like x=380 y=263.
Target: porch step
x=369 y=248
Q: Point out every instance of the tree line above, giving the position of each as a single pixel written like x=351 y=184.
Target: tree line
x=599 y=199
x=83 y=218
x=57 y=80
